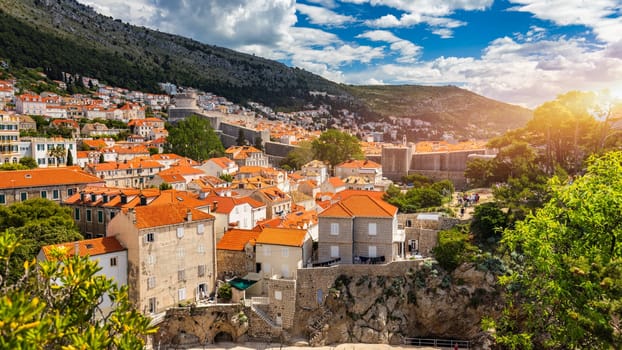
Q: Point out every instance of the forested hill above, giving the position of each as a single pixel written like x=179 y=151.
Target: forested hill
x=66 y=36
x=446 y=108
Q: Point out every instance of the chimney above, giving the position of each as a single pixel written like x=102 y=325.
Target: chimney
x=76 y=248
x=132 y=215
x=189 y=215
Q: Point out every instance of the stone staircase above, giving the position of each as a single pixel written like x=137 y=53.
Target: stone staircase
x=262 y=314
x=319 y=323
x=317 y=326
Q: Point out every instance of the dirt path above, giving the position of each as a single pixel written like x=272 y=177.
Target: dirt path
x=485 y=195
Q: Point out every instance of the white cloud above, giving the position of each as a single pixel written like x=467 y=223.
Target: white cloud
x=229 y=23
x=429 y=7
x=431 y=12
x=408 y=51
x=602 y=16
x=324 y=3
x=323 y=17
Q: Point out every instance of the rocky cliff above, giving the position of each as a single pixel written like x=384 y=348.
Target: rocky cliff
x=426 y=302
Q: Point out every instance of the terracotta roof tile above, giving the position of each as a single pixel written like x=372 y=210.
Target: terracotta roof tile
x=282 y=236
x=90 y=247
x=360 y=206
x=358 y=164
x=336 y=182
x=166 y=214
x=236 y=239
x=181 y=170
x=46 y=177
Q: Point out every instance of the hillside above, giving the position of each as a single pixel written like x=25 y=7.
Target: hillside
x=447 y=107
x=65 y=36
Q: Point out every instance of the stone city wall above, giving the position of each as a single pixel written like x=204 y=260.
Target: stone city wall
x=310 y=282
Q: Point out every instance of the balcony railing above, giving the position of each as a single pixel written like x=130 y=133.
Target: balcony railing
x=331 y=262
x=369 y=260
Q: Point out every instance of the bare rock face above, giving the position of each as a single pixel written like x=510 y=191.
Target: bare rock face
x=427 y=302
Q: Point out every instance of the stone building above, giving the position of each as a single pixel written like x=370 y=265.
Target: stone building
x=9 y=138
x=56 y=184
x=235 y=253
x=359 y=229
x=171 y=254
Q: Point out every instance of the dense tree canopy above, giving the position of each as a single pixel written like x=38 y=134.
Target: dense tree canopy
x=299 y=156
x=38 y=222
x=489 y=221
x=335 y=147
x=565 y=290
x=55 y=305
x=426 y=194
x=194 y=138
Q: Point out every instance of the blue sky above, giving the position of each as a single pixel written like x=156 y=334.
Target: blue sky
x=519 y=51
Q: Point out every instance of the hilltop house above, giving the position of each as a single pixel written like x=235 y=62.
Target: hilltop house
x=219 y=166
x=278 y=203
x=359 y=229
x=56 y=184
x=247 y=156
x=171 y=254
x=236 y=253
x=231 y=212
x=110 y=256
x=280 y=252
x=94 y=207
x=133 y=173
x=367 y=169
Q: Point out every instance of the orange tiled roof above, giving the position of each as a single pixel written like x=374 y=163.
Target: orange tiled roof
x=172 y=178
x=336 y=182
x=274 y=222
x=222 y=162
x=236 y=239
x=132 y=164
x=166 y=214
x=349 y=193
x=98 y=143
x=359 y=164
x=90 y=247
x=165 y=156
x=224 y=205
x=282 y=236
x=298 y=218
x=130 y=149
x=181 y=170
x=186 y=198
x=46 y=177
x=360 y=206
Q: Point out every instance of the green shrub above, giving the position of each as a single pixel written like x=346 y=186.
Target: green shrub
x=224 y=291
x=453 y=248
